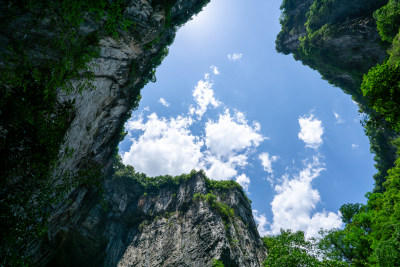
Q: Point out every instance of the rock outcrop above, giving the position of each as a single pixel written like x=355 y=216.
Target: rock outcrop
x=339 y=39
x=168 y=226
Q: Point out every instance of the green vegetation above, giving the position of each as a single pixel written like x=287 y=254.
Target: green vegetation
x=223 y=209
x=217 y=263
x=370 y=237
x=290 y=249
x=223 y=186
x=388 y=20
x=149 y=184
x=381 y=87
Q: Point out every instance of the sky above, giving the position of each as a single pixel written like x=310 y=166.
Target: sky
x=226 y=102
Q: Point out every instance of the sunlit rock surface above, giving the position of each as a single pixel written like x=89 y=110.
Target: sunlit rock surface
x=123 y=226
x=165 y=227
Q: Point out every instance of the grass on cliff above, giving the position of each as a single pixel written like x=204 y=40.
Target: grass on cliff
x=154 y=184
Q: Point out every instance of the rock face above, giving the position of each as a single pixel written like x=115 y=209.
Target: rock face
x=164 y=227
x=120 y=71
x=125 y=225
x=342 y=40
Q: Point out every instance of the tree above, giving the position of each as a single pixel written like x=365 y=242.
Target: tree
x=381 y=86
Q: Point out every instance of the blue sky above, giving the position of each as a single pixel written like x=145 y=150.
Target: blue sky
x=227 y=102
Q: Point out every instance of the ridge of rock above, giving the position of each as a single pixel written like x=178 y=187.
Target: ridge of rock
x=162 y=227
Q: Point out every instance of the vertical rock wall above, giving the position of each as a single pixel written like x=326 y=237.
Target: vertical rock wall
x=164 y=227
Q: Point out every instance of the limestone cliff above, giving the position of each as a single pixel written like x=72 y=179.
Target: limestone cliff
x=337 y=38
x=90 y=221
x=167 y=226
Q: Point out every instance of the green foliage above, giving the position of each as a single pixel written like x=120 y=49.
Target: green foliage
x=388 y=20
x=381 y=87
x=394 y=51
x=320 y=12
x=217 y=263
x=372 y=236
x=222 y=186
x=348 y=211
x=149 y=184
x=223 y=209
x=293 y=249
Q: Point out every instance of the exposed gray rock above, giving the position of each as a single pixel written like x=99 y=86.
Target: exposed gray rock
x=347 y=47
x=163 y=228
x=166 y=227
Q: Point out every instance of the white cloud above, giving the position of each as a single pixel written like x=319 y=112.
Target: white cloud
x=244 y=181
x=354 y=146
x=214 y=69
x=165 y=147
x=231 y=134
x=217 y=169
x=262 y=223
x=203 y=94
x=338 y=118
x=168 y=146
x=311 y=131
x=295 y=201
x=266 y=161
x=234 y=56
x=146 y=108
x=163 y=102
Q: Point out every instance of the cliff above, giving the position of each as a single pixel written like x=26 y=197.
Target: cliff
x=182 y=221
x=71 y=74
x=340 y=40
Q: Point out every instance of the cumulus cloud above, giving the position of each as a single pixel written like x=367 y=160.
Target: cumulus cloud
x=163 y=102
x=244 y=181
x=311 y=131
x=262 y=223
x=354 y=146
x=266 y=161
x=231 y=134
x=295 y=201
x=218 y=169
x=166 y=146
x=338 y=118
x=234 y=56
x=203 y=95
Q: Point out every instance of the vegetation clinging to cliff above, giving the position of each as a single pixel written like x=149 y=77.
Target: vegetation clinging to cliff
x=43 y=51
